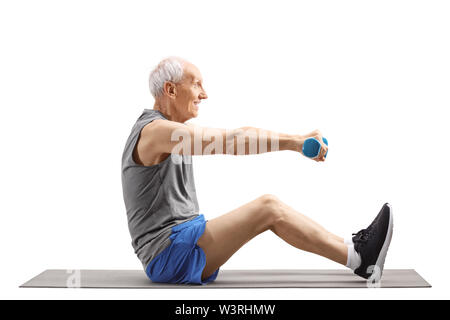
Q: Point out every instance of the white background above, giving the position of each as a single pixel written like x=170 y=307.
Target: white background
x=374 y=77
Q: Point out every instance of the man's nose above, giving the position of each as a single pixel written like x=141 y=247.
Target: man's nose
x=203 y=95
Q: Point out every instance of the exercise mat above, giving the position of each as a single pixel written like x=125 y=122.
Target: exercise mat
x=297 y=278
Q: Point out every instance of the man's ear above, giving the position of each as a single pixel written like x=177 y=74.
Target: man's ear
x=170 y=89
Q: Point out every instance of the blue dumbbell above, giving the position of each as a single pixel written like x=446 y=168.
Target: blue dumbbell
x=311 y=147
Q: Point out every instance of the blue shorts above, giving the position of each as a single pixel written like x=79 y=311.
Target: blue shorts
x=183 y=260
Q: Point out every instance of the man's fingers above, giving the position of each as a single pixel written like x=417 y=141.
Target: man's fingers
x=323 y=151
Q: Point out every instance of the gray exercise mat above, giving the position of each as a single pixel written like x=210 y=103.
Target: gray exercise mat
x=136 y=279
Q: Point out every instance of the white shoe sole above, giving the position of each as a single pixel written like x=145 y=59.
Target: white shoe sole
x=377 y=271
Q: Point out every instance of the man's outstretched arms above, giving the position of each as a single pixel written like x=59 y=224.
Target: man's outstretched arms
x=165 y=136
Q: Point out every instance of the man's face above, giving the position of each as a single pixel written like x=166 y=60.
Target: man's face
x=190 y=92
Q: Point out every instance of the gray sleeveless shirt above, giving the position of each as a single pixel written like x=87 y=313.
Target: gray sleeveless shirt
x=156 y=197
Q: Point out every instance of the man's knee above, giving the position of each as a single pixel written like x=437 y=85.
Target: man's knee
x=269 y=200
x=272 y=208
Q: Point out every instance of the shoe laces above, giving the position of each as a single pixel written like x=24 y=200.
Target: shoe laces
x=362 y=236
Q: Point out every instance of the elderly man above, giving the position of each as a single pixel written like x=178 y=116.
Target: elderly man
x=172 y=240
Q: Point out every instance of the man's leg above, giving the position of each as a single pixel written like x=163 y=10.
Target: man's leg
x=224 y=235
x=305 y=234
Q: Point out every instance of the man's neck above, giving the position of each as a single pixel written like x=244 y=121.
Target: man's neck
x=164 y=112
x=168 y=113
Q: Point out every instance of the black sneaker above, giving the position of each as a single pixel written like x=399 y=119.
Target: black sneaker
x=372 y=244
x=385 y=207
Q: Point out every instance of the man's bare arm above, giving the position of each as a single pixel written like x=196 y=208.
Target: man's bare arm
x=165 y=136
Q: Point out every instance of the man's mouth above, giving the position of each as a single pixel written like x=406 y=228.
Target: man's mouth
x=196 y=103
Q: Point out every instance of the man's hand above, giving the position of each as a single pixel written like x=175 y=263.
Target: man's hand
x=324 y=148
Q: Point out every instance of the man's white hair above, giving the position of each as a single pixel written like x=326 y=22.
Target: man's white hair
x=169 y=69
